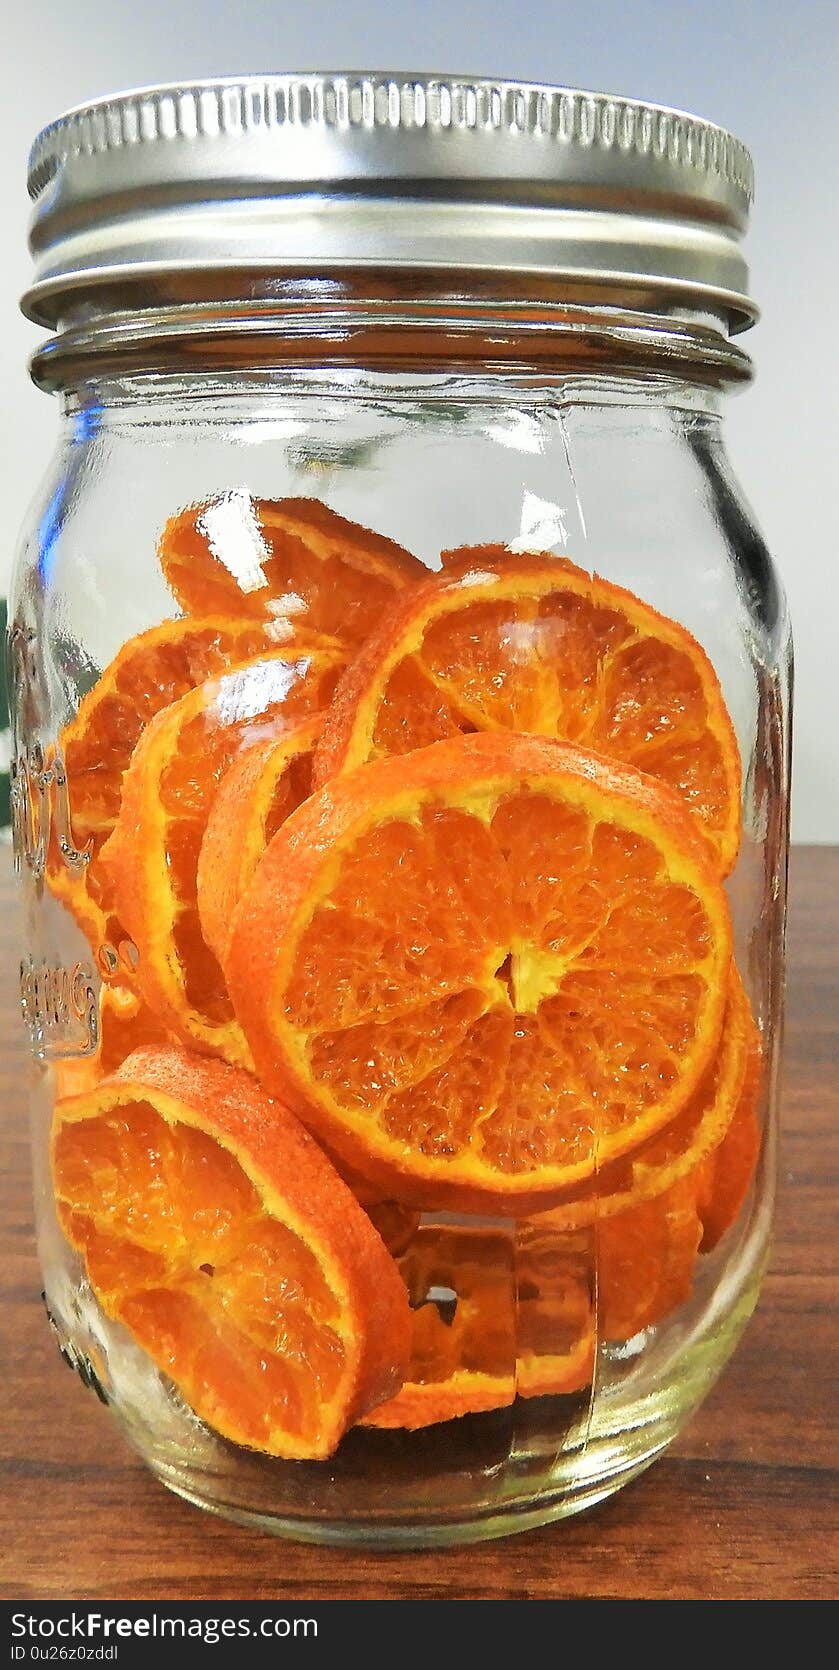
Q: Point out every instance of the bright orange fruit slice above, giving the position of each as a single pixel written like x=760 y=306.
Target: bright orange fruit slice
x=216 y=1231
x=463 y=1328
x=262 y=787
x=534 y=644
x=150 y=671
x=688 y=1142
x=490 y=1321
x=557 y=1336
x=481 y=969
x=293 y=562
x=645 y=1261
x=151 y=859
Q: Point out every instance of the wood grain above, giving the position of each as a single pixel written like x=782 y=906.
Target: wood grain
x=744 y=1506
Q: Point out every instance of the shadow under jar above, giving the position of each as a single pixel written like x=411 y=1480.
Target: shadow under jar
x=400 y=789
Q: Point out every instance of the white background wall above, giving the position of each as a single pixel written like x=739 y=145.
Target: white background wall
x=766 y=69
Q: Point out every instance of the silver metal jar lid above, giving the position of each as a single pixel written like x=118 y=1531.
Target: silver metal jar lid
x=266 y=176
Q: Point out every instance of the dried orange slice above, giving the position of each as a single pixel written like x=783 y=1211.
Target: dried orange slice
x=491 y=1320
x=644 y=1258
x=151 y=859
x=150 y=671
x=556 y=1312
x=483 y=968
x=645 y=1261
x=293 y=562
x=463 y=1339
x=688 y=1142
x=216 y=1231
x=256 y=795
x=725 y=1175
x=534 y=644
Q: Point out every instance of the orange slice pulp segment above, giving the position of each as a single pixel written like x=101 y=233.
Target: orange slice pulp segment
x=687 y=1141
x=534 y=644
x=293 y=562
x=151 y=859
x=214 y=1229
x=484 y=969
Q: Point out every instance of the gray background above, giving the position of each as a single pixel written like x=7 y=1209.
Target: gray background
x=769 y=71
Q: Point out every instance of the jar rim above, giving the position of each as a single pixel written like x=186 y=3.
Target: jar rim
x=379 y=329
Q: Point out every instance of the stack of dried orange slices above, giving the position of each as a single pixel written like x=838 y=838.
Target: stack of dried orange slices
x=408 y=894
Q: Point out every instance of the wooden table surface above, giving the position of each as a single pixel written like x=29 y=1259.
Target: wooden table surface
x=744 y=1506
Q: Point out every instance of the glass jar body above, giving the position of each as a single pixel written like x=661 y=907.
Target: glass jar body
x=534 y=1401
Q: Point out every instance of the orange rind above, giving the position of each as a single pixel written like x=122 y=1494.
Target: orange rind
x=258 y=792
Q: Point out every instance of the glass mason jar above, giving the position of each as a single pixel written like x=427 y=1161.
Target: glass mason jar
x=400 y=790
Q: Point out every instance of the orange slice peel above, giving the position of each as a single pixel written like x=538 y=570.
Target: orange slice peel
x=259 y=791
x=724 y=1175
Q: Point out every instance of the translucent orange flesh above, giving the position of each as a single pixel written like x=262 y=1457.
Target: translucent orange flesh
x=179 y=1246
x=525 y=988
x=291 y=561
x=463 y=1352
x=688 y=1141
x=150 y=671
x=565 y=656
x=645 y=1261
